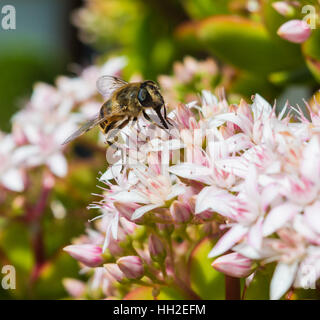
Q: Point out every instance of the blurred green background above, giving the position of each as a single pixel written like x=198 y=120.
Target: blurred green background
x=52 y=35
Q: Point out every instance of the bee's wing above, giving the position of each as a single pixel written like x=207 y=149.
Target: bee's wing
x=86 y=127
x=106 y=85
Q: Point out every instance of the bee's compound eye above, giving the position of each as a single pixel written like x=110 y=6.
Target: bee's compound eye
x=142 y=95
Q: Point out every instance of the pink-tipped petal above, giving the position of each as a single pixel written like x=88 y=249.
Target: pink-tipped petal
x=233 y=265
x=131 y=266
x=297 y=31
x=88 y=254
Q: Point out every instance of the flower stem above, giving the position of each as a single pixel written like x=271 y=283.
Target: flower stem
x=232 y=288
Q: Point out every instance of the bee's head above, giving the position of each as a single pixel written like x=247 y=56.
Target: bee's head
x=149 y=95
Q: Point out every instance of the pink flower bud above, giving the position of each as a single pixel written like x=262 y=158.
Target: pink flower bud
x=180 y=212
x=131 y=266
x=114 y=248
x=165 y=228
x=114 y=271
x=74 y=287
x=89 y=254
x=283 y=8
x=233 y=265
x=296 y=31
x=156 y=248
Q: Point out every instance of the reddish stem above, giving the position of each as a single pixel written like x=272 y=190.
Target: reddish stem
x=233 y=291
x=33 y=217
x=38 y=248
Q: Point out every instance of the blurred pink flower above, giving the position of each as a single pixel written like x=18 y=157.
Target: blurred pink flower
x=283 y=8
x=88 y=254
x=74 y=287
x=296 y=31
x=12 y=163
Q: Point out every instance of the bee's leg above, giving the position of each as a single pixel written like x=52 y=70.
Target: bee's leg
x=106 y=131
x=165 y=115
x=115 y=125
x=153 y=122
x=158 y=111
x=134 y=119
x=146 y=116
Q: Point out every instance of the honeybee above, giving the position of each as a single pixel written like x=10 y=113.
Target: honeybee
x=125 y=102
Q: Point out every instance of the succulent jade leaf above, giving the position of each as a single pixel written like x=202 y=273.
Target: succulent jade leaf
x=303 y=294
x=49 y=284
x=247 y=83
x=141 y=293
x=198 y=9
x=15 y=242
x=186 y=35
x=145 y=293
x=72 y=226
x=311 y=51
x=208 y=283
x=272 y=19
x=246 y=44
x=259 y=287
x=15 y=245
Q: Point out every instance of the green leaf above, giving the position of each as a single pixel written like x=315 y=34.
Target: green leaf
x=49 y=284
x=272 y=19
x=186 y=37
x=247 y=45
x=141 y=293
x=16 y=244
x=303 y=294
x=145 y=293
x=247 y=84
x=198 y=9
x=259 y=286
x=311 y=50
x=205 y=281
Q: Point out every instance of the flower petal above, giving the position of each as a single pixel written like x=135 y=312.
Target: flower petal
x=191 y=171
x=282 y=279
x=13 y=180
x=142 y=210
x=58 y=164
x=176 y=190
x=260 y=108
x=217 y=200
x=278 y=217
x=312 y=216
x=255 y=234
x=130 y=196
x=228 y=240
x=310 y=165
x=247 y=251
